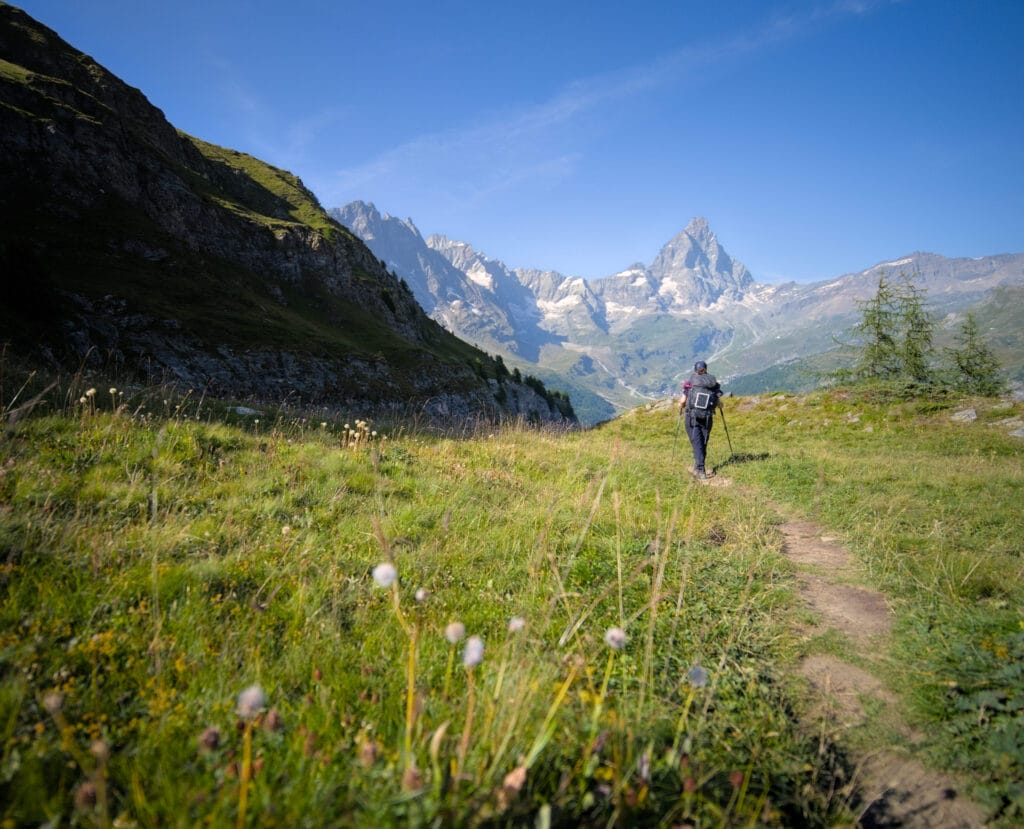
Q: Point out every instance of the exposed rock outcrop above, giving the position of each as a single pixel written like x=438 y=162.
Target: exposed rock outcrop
x=125 y=242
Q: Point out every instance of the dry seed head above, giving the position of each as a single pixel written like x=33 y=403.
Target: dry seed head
x=274 y=721
x=473 y=655
x=53 y=702
x=615 y=638
x=251 y=702
x=385 y=574
x=412 y=779
x=85 y=796
x=697 y=676
x=454 y=632
x=516 y=624
x=368 y=752
x=209 y=740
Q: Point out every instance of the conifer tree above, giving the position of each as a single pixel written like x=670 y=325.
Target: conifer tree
x=974 y=361
x=915 y=350
x=894 y=337
x=877 y=332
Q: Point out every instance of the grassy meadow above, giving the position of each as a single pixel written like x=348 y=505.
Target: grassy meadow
x=275 y=619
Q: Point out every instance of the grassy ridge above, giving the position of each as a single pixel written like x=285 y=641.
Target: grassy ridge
x=158 y=557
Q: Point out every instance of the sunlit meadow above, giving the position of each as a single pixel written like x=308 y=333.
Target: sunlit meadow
x=274 y=619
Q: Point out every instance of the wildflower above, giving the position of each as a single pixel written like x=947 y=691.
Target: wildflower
x=643 y=768
x=516 y=624
x=309 y=745
x=113 y=390
x=454 y=632
x=385 y=574
x=615 y=638
x=209 y=740
x=412 y=779
x=422 y=595
x=323 y=424
x=697 y=676
x=250 y=702
x=286 y=530
x=100 y=750
x=511 y=786
x=91 y=393
x=53 y=702
x=473 y=655
x=368 y=753
x=85 y=796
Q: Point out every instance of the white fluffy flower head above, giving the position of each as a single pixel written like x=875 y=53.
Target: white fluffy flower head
x=474 y=653
x=385 y=574
x=454 y=632
x=697 y=676
x=251 y=702
x=615 y=638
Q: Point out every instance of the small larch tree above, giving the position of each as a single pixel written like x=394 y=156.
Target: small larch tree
x=915 y=350
x=877 y=332
x=974 y=362
x=894 y=337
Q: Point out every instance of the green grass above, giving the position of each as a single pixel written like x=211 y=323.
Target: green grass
x=156 y=560
x=932 y=508
x=261 y=192
x=155 y=565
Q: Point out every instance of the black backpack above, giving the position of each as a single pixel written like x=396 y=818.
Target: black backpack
x=702 y=396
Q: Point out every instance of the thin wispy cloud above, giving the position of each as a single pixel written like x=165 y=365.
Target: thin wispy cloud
x=289 y=145
x=513 y=147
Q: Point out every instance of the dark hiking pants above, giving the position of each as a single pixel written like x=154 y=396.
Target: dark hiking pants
x=698 y=429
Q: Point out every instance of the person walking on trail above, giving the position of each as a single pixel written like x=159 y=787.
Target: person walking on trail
x=701 y=395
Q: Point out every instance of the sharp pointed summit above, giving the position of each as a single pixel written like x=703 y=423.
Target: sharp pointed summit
x=626 y=337
x=697 y=269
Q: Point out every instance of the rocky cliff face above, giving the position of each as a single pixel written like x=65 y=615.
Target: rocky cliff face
x=166 y=257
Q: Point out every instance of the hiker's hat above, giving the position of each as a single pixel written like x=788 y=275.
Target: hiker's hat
x=700 y=365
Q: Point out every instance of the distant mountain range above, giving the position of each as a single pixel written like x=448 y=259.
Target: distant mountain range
x=130 y=248
x=633 y=336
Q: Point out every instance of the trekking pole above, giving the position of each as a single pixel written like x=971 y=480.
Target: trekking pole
x=725 y=426
x=676 y=440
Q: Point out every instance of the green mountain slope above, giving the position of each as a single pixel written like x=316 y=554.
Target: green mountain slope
x=130 y=244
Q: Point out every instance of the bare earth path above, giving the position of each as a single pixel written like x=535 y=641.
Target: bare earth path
x=892 y=789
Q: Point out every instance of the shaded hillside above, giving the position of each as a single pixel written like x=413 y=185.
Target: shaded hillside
x=133 y=246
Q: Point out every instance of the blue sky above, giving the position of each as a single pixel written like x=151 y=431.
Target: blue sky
x=818 y=137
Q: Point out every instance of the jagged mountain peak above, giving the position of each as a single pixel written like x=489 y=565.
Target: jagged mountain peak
x=699 y=227
x=367 y=221
x=697 y=268
x=439 y=242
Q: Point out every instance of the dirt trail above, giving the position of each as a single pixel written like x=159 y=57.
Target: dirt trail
x=890 y=788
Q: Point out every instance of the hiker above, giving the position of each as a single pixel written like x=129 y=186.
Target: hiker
x=701 y=395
